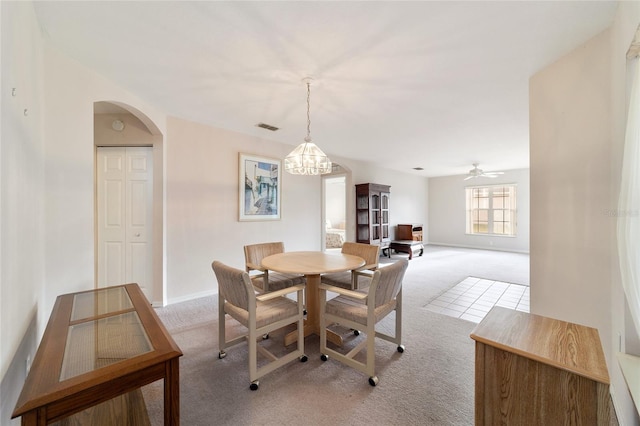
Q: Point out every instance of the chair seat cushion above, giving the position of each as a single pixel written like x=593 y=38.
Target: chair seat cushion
x=338 y=279
x=343 y=280
x=356 y=310
x=278 y=281
x=267 y=312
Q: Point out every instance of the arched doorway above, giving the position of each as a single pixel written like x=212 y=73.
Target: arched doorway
x=126 y=139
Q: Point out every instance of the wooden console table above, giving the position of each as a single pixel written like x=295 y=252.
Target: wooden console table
x=407 y=246
x=536 y=370
x=99 y=344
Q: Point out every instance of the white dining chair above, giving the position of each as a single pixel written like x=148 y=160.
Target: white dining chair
x=363 y=310
x=259 y=314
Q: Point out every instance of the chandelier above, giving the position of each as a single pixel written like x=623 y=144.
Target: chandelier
x=307 y=158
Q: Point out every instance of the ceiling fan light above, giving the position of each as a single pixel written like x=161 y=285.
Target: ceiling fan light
x=477 y=172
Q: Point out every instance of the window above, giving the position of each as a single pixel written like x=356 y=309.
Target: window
x=491 y=210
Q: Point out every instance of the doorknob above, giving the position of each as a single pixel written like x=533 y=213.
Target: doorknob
x=137 y=234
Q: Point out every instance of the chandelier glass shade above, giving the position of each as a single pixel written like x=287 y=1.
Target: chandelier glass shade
x=307 y=158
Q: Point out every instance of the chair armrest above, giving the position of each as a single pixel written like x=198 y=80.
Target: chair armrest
x=365 y=273
x=360 y=273
x=254 y=266
x=344 y=292
x=280 y=293
x=371 y=267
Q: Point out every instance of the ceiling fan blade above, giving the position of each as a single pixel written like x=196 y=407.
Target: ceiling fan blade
x=476 y=172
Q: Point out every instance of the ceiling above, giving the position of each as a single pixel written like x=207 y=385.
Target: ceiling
x=437 y=85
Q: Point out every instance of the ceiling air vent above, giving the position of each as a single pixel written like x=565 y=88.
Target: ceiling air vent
x=267 y=126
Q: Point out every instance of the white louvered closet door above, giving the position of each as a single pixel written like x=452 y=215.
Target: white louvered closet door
x=124 y=203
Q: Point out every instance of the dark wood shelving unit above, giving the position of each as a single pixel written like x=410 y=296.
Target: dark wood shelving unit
x=372 y=214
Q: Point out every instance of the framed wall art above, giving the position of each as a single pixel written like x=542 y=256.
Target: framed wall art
x=259 y=185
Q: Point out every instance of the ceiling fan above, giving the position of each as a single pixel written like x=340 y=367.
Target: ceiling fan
x=476 y=173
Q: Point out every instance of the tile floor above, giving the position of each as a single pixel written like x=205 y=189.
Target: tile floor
x=472 y=298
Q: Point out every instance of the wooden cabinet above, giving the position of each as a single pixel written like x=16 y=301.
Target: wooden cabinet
x=536 y=370
x=410 y=232
x=372 y=214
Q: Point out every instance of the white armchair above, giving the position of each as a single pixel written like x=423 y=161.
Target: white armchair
x=352 y=280
x=363 y=310
x=260 y=314
x=265 y=280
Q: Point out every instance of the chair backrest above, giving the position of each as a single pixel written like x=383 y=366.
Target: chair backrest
x=387 y=281
x=234 y=285
x=369 y=252
x=254 y=253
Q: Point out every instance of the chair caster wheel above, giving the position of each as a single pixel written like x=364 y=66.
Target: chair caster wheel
x=324 y=357
x=304 y=358
x=373 y=380
x=356 y=332
x=254 y=385
x=265 y=336
x=401 y=348
x=221 y=354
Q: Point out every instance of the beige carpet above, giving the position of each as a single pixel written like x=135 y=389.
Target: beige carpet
x=431 y=383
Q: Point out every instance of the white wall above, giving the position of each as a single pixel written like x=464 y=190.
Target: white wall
x=577 y=116
x=570 y=187
x=447 y=212
x=335 y=196
x=22 y=194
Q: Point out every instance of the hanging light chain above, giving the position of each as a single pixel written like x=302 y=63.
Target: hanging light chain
x=308 y=138
x=307 y=158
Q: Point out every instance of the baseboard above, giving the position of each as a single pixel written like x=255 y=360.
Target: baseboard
x=191 y=297
x=432 y=243
x=13 y=380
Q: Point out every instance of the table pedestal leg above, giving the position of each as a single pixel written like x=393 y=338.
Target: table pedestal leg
x=312 y=323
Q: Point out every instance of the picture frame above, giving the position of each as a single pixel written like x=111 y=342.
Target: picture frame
x=259 y=188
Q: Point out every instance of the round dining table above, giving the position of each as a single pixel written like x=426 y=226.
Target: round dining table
x=312 y=264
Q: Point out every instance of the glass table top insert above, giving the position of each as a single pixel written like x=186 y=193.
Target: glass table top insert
x=94 y=303
x=104 y=330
